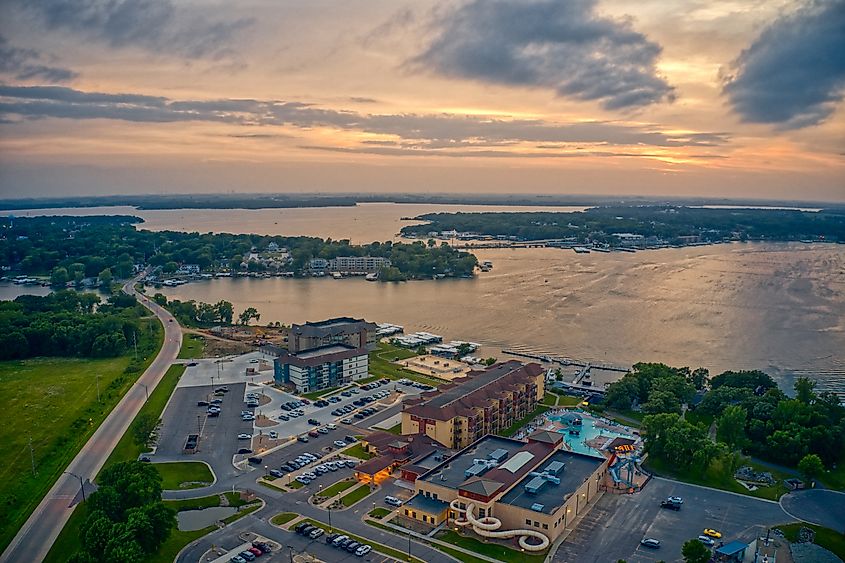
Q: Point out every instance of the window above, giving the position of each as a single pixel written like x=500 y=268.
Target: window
x=545 y=526
x=414 y=514
x=482 y=512
x=434 y=496
x=407 y=512
x=527 y=521
x=536 y=524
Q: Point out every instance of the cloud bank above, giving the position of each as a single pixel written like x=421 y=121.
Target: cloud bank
x=563 y=45
x=428 y=131
x=793 y=74
x=155 y=25
x=25 y=64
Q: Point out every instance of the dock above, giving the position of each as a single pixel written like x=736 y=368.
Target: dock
x=567 y=361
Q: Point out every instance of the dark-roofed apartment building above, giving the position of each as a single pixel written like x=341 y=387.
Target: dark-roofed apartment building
x=482 y=402
x=356 y=333
x=321 y=368
x=526 y=485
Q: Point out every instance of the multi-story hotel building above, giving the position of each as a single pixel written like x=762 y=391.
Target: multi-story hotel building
x=321 y=368
x=356 y=333
x=481 y=403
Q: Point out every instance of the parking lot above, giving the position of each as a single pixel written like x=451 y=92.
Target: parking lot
x=613 y=529
x=218 y=435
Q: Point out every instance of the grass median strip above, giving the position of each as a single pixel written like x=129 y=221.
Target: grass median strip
x=191 y=474
x=338 y=487
x=383 y=549
x=283 y=518
x=355 y=496
x=459 y=555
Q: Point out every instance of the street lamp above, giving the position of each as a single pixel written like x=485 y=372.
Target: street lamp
x=81 y=484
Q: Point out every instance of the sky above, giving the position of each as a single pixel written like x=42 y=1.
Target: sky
x=721 y=98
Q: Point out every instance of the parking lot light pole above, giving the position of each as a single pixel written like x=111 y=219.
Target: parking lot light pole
x=81 y=484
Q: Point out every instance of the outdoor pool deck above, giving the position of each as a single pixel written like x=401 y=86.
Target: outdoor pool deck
x=593 y=432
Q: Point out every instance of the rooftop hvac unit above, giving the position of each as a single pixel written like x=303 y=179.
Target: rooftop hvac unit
x=537 y=507
x=498 y=455
x=555 y=467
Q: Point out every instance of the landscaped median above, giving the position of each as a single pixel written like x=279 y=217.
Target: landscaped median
x=184 y=475
x=283 y=518
x=357 y=451
x=356 y=495
x=383 y=549
x=831 y=540
x=337 y=488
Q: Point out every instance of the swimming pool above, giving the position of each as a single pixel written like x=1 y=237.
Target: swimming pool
x=588 y=431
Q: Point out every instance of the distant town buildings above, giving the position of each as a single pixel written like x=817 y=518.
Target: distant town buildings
x=482 y=402
x=350 y=264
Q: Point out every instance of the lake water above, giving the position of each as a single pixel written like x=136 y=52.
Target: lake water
x=775 y=307
x=363 y=223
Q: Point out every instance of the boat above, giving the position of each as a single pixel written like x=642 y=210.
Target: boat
x=581 y=249
x=371 y=277
x=336 y=275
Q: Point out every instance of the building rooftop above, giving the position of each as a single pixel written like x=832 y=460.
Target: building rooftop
x=323 y=351
x=550 y=496
x=452 y=473
x=732 y=548
x=426 y=504
x=475 y=380
x=334 y=326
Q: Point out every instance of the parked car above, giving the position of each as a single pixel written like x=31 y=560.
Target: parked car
x=276 y=473
x=392 y=501
x=339 y=539
x=352 y=546
x=248 y=555
x=273 y=434
x=244 y=451
x=244 y=436
x=347 y=421
x=363 y=550
x=254 y=460
x=237 y=559
x=669 y=505
x=316 y=533
x=650 y=542
x=676 y=500
x=302 y=438
x=712 y=533
x=708 y=541
x=284 y=417
x=340 y=443
x=313 y=433
x=331 y=426
x=202 y=403
x=351 y=439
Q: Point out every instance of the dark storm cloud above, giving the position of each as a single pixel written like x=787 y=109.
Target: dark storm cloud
x=793 y=74
x=426 y=131
x=155 y=25
x=563 y=45
x=25 y=64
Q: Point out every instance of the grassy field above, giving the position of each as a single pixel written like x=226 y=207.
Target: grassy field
x=355 y=496
x=358 y=451
x=174 y=474
x=378 y=512
x=389 y=551
x=381 y=365
x=192 y=346
x=719 y=476
x=194 y=503
x=126 y=449
x=829 y=539
x=338 y=487
x=496 y=551
x=520 y=423
x=835 y=478
x=397 y=429
x=283 y=518
x=53 y=403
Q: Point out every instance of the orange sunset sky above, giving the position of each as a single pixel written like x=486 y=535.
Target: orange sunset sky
x=723 y=98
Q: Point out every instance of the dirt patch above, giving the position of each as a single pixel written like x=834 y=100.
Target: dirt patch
x=216 y=347
x=263 y=421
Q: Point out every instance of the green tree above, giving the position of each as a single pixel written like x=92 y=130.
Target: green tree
x=731 y=426
x=490 y=361
x=160 y=298
x=248 y=314
x=105 y=278
x=811 y=466
x=59 y=277
x=805 y=390
x=142 y=427
x=694 y=551
x=699 y=378
x=225 y=311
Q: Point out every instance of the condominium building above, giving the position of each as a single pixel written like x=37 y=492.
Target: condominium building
x=356 y=333
x=482 y=402
x=350 y=264
x=320 y=368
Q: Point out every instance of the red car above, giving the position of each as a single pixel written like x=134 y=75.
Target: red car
x=313 y=433
x=255 y=551
x=305 y=401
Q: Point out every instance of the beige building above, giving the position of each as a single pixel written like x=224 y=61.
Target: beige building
x=481 y=403
x=510 y=485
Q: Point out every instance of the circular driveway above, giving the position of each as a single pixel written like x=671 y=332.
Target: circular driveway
x=817 y=506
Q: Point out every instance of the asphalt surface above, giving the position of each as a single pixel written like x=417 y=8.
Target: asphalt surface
x=613 y=529
x=819 y=506
x=36 y=537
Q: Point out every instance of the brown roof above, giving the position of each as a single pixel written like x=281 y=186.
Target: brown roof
x=546 y=437
x=375 y=465
x=480 y=486
x=420 y=446
x=476 y=390
x=314 y=357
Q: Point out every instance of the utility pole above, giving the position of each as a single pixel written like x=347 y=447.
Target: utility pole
x=32 y=456
x=98 y=387
x=81 y=484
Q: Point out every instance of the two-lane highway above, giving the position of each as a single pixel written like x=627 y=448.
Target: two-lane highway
x=33 y=541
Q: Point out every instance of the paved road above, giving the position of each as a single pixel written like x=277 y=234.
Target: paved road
x=818 y=506
x=613 y=529
x=33 y=541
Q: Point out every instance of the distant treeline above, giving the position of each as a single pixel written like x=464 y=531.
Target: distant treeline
x=665 y=222
x=87 y=246
x=283 y=200
x=68 y=323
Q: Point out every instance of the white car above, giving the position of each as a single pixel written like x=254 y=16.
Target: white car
x=331 y=466
x=676 y=500
x=706 y=540
x=363 y=550
x=340 y=443
x=253 y=361
x=244 y=436
x=273 y=434
x=392 y=501
x=331 y=426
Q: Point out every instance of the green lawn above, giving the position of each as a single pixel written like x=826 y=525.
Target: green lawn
x=174 y=544
x=295 y=485
x=719 y=476
x=829 y=539
x=358 y=451
x=194 y=503
x=283 y=518
x=338 y=487
x=174 y=474
x=53 y=401
x=381 y=365
x=520 y=423
x=395 y=429
x=355 y=496
x=496 y=551
x=269 y=485
x=459 y=555
x=378 y=512
x=568 y=401
x=126 y=449
x=389 y=551
x=549 y=399
x=192 y=346
x=835 y=478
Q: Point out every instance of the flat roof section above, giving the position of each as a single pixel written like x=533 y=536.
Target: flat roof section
x=577 y=469
x=426 y=504
x=323 y=351
x=452 y=472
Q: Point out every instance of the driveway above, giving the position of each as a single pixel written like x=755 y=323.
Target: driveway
x=817 y=506
x=613 y=529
